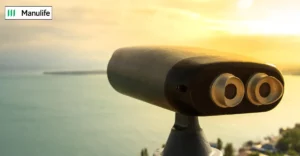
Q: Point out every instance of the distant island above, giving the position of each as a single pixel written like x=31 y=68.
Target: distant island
x=285 y=71
x=291 y=70
x=92 y=72
x=295 y=72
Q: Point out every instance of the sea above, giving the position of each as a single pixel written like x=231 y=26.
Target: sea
x=55 y=115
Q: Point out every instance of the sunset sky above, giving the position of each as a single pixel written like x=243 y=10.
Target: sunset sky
x=85 y=33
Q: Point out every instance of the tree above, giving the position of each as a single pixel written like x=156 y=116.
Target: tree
x=297 y=125
x=144 y=152
x=292 y=153
x=219 y=144
x=253 y=154
x=283 y=145
x=229 y=150
x=275 y=154
x=281 y=130
x=249 y=143
x=290 y=140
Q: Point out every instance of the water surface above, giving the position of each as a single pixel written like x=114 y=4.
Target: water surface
x=82 y=115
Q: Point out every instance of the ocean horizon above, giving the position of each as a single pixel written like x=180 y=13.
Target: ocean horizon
x=82 y=115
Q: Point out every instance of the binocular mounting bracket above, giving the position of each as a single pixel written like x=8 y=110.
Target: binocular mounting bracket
x=188 y=139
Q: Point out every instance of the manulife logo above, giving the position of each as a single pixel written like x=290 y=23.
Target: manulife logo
x=28 y=12
x=11 y=12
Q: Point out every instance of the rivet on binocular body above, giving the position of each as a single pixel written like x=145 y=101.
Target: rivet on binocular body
x=227 y=90
x=263 y=89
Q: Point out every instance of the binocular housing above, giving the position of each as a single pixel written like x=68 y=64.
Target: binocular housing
x=194 y=81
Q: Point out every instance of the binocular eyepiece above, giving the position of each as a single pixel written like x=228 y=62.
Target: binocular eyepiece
x=195 y=81
x=263 y=89
x=228 y=90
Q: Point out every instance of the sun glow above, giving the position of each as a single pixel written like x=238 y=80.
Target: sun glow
x=279 y=22
x=244 y=4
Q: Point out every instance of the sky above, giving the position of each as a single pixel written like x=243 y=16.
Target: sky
x=84 y=34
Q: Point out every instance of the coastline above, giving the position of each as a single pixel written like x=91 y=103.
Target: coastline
x=93 y=72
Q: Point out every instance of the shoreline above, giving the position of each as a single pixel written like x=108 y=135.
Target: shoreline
x=94 y=72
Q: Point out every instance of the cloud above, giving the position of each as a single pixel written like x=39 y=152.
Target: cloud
x=16 y=33
x=90 y=30
x=276 y=49
x=106 y=27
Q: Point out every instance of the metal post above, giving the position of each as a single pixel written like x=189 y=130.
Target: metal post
x=187 y=139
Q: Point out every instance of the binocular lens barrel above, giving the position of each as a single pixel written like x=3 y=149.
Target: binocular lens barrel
x=195 y=81
x=263 y=89
x=227 y=90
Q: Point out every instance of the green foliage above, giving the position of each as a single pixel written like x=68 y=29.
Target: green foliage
x=297 y=125
x=281 y=130
x=290 y=140
x=254 y=154
x=292 y=152
x=289 y=144
x=144 y=152
x=249 y=143
x=283 y=145
x=229 y=150
x=219 y=144
x=276 y=154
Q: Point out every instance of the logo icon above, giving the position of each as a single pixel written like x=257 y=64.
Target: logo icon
x=11 y=12
x=28 y=12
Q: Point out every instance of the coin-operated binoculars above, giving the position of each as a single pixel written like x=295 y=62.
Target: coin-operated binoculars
x=194 y=82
